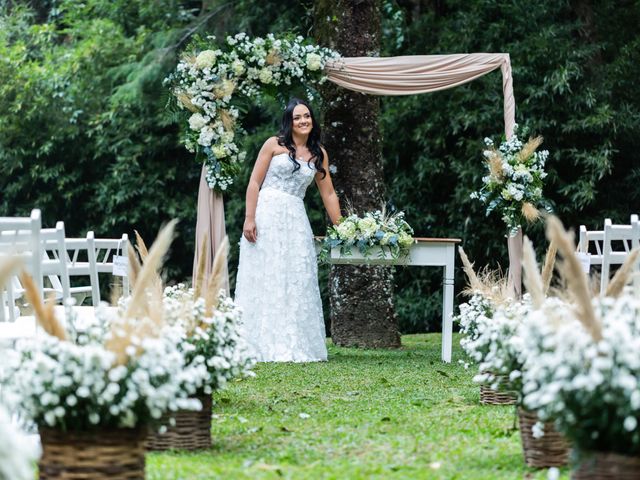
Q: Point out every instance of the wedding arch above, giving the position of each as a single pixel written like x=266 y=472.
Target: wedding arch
x=402 y=75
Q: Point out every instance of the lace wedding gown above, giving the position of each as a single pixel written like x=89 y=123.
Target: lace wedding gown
x=277 y=281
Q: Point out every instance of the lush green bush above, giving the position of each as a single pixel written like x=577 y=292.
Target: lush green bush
x=84 y=133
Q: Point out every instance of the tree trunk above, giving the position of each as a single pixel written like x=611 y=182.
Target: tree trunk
x=362 y=311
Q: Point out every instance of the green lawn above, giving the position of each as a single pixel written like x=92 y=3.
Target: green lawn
x=363 y=414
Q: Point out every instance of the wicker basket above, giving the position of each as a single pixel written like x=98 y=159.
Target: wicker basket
x=489 y=396
x=192 y=430
x=106 y=454
x=607 y=466
x=551 y=450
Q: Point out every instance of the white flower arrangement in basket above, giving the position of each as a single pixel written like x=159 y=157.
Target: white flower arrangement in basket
x=210 y=75
x=122 y=370
x=209 y=336
x=389 y=234
x=515 y=179
x=18 y=452
x=581 y=361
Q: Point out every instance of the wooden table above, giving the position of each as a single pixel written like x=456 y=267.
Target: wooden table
x=426 y=252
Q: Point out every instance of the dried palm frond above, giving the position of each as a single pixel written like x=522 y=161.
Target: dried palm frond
x=530 y=212
x=623 y=275
x=148 y=277
x=227 y=120
x=532 y=279
x=467 y=266
x=273 y=58
x=144 y=315
x=529 y=148
x=44 y=314
x=141 y=246
x=198 y=282
x=571 y=270
x=7 y=266
x=495 y=165
x=216 y=280
x=547 y=269
x=134 y=265
x=184 y=99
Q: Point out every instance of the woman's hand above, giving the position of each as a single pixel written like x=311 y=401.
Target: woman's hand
x=249 y=230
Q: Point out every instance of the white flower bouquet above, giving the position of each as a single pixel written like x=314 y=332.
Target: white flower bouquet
x=390 y=232
x=513 y=186
x=209 y=336
x=208 y=76
x=18 y=453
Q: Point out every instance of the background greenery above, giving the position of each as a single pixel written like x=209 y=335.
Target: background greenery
x=85 y=134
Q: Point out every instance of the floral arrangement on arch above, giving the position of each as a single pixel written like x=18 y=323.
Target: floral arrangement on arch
x=513 y=186
x=208 y=77
x=390 y=232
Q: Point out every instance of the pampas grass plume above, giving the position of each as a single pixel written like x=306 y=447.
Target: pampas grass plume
x=529 y=148
x=623 y=275
x=44 y=314
x=532 y=279
x=530 y=212
x=572 y=272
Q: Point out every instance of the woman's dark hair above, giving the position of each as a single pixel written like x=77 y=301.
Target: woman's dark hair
x=285 y=137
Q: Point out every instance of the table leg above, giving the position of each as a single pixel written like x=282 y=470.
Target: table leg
x=447 y=305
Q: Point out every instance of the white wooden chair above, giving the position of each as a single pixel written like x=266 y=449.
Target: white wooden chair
x=618 y=242
x=106 y=249
x=91 y=257
x=20 y=236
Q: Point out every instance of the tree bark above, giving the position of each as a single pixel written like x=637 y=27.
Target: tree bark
x=362 y=310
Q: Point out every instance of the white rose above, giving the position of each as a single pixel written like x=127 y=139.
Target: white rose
x=197 y=122
x=219 y=151
x=206 y=59
x=266 y=75
x=206 y=136
x=238 y=67
x=314 y=61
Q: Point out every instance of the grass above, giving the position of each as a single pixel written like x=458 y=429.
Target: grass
x=364 y=414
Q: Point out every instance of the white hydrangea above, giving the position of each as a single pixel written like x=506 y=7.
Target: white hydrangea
x=590 y=388
x=197 y=121
x=18 y=452
x=314 y=61
x=205 y=59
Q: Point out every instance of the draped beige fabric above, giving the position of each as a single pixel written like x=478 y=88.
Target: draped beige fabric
x=414 y=74
x=406 y=75
x=210 y=222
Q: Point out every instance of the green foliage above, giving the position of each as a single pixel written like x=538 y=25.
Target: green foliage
x=392 y=414
x=84 y=133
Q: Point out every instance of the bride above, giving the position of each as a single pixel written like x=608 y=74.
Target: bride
x=277 y=281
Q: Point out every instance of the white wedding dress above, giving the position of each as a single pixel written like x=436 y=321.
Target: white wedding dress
x=277 y=281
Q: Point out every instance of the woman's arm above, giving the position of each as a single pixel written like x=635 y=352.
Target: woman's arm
x=327 y=192
x=257 y=177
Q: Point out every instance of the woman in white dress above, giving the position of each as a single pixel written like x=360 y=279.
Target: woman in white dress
x=277 y=281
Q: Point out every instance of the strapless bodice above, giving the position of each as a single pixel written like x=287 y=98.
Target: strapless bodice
x=280 y=176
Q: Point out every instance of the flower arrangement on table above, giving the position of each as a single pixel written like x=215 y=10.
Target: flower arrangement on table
x=581 y=365
x=390 y=232
x=208 y=77
x=515 y=179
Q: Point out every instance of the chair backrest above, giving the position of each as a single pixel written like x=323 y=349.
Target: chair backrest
x=81 y=262
x=54 y=259
x=106 y=249
x=21 y=235
x=92 y=256
x=618 y=243
x=591 y=242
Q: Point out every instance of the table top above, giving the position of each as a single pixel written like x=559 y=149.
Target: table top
x=418 y=239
